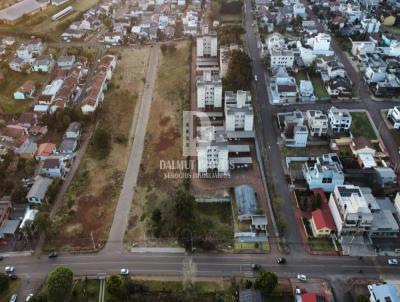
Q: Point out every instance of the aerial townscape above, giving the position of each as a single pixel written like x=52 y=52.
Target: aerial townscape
x=200 y=150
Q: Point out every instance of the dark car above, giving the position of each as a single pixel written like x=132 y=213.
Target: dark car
x=1 y=258
x=53 y=255
x=256 y=267
x=12 y=276
x=281 y=260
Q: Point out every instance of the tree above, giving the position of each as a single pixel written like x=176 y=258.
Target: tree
x=115 y=288
x=316 y=202
x=266 y=282
x=4 y=282
x=362 y=298
x=185 y=204
x=59 y=284
x=101 y=143
x=39 y=297
x=239 y=72
x=42 y=221
x=163 y=48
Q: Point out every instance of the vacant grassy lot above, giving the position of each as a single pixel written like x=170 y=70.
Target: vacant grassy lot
x=309 y=151
x=321 y=245
x=361 y=126
x=13 y=80
x=91 y=199
x=163 y=140
x=14 y=286
x=319 y=87
x=300 y=75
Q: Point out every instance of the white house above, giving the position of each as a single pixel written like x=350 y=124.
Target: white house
x=394 y=116
x=350 y=210
x=238 y=111
x=281 y=58
x=383 y=293
x=283 y=87
x=362 y=47
x=339 y=119
x=325 y=172
x=370 y=26
x=43 y=63
x=209 y=91
x=38 y=191
x=207 y=45
x=295 y=133
x=317 y=122
x=306 y=90
x=299 y=9
x=320 y=44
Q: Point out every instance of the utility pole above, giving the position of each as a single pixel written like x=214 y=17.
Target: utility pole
x=91 y=235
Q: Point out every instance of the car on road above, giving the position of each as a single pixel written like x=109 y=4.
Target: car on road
x=9 y=269
x=301 y=277
x=393 y=261
x=256 y=267
x=124 y=272
x=53 y=254
x=1 y=258
x=29 y=297
x=13 y=298
x=255 y=78
x=281 y=260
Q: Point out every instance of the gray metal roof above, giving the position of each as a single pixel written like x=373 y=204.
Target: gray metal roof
x=17 y=10
x=9 y=227
x=246 y=202
x=39 y=188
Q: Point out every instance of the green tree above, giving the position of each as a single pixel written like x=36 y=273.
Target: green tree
x=42 y=221
x=115 y=288
x=59 y=284
x=362 y=298
x=39 y=297
x=4 y=282
x=266 y=282
x=185 y=204
x=101 y=143
x=316 y=202
x=239 y=72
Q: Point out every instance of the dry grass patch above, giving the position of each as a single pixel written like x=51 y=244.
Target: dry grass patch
x=91 y=199
x=163 y=141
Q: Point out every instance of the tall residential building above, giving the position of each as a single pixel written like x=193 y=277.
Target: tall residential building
x=339 y=119
x=350 y=210
x=212 y=152
x=324 y=172
x=207 y=45
x=209 y=91
x=238 y=111
x=317 y=122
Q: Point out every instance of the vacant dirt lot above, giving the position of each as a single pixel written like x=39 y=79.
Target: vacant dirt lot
x=163 y=140
x=91 y=199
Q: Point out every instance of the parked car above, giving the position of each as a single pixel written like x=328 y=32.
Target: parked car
x=29 y=297
x=13 y=298
x=53 y=254
x=1 y=258
x=9 y=269
x=255 y=78
x=393 y=261
x=256 y=267
x=301 y=277
x=124 y=272
x=281 y=260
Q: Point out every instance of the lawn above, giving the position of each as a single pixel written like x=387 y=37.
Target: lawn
x=10 y=107
x=85 y=291
x=163 y=141
x=309 y=151
x=361 y=126
x=319 y=87
x=89 y=204
x=300 y=75
x=14 y=286
x=321 y=245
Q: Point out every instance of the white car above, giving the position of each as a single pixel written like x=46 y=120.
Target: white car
x=13 y=298
x=9 y=269
x=393 y=261
x=124 y=272
x=255 y=78
x=301 y=277
x=29 y=297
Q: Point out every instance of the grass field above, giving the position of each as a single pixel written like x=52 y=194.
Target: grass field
x=321 y=245
x=10 y=107
x=163 y=139
x=13 y=289
x=300 y=75
x=319 y=87
x=91 y=199
x=361 y=126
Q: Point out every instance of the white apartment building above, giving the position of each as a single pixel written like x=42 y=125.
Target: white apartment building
x=281 y=58
x=207 y=45
x=320 y=44
x=209 y=91
x=212 y=152
x=317 y=122
x=339 y=119
x=350 y=210
x=383 y=293
x=238 y=111
x=394 y=116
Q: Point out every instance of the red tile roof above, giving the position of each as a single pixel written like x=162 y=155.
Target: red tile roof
x=323 y=219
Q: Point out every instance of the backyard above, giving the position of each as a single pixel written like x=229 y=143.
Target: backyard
x=88 y=208
x=162 y=142
x=12 y=80
x=319 y=87
x=361 y=125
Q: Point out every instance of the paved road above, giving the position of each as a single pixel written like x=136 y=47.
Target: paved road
x=120 y=222
x=268 y=139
